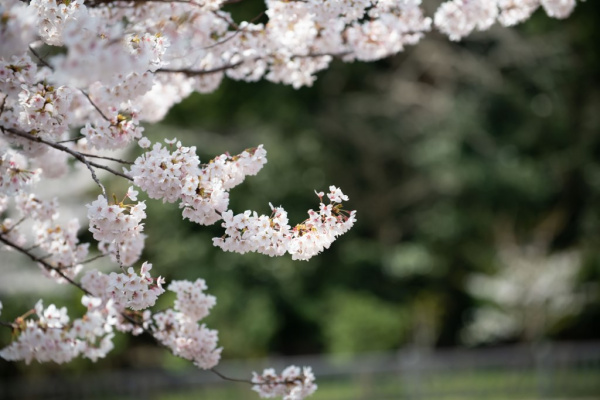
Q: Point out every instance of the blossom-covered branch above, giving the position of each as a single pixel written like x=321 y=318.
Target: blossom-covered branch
x=119 y=301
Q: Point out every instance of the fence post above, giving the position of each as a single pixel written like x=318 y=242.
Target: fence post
x=542 y=353
x=411 y=368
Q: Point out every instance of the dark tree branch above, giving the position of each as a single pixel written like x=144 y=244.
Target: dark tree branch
x=40 y=58
x=78 y=156
x=77 y=285
x=190 y=72
x=124 y=314
x=89 y=260
x=98 y=3
x=220 y=375
x=237 y=31
x=71 y=140
x=42 y=262
x=87 y=96
x=107 y=158
x=19 y=222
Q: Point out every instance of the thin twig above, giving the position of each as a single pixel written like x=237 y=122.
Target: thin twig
x=75 y=154
x=239 y=30
x=59 y=272
x=190 y=72
x=224 y=18
x=19 y=222
x=71 y=140
x=35 y=246
x=107 y=158
x=44 y=263
x=87 y=96
x=3 y=103
x=44 y=62
x=89 y=260
x=107 y=2
x=220 y=375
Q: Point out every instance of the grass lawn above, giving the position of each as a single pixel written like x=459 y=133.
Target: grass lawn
x=487 y=384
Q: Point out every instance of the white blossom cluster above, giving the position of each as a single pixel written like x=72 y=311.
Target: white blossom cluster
x=118 y=227
x=14 y=172
x=62 y=245
x=113 y=134
x=9 y=231
x=178 y=328
x=273 y=236
x=532 y=290
x=51 y=337
x=293 y=383
x=125 y=290
x=458 y=18
x=191 y=299
x=206 y=195
x=136 y=62
x=58 y=242
x=202 y=189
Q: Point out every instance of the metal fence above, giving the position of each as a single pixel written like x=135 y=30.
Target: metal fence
x=523 y=372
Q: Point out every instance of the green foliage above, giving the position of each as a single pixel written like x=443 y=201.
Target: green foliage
x=360 y=322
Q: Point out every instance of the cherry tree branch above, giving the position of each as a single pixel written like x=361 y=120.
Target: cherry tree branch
x=191 y=72
x=41 y=59
x=220 y=375
x=89 y=260
x=45 y=63
x=41 y=261
x=77 y=155
x=107 y=158
x=235 y=33
x=71 y=140
x=124 y=314
x=3 y=103
x=60 y=147
x=49 y=267
x=98 y=3
x=19 y=222
x=87 y=96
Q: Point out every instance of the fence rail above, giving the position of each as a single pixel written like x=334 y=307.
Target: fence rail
x=524 y=372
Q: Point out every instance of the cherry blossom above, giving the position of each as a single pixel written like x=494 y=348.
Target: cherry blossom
x=273 y=236
x=293 y=383
x=178 y=328
x=53 y=338
x=14 y=172
x=125 y=290
x=118 y=228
